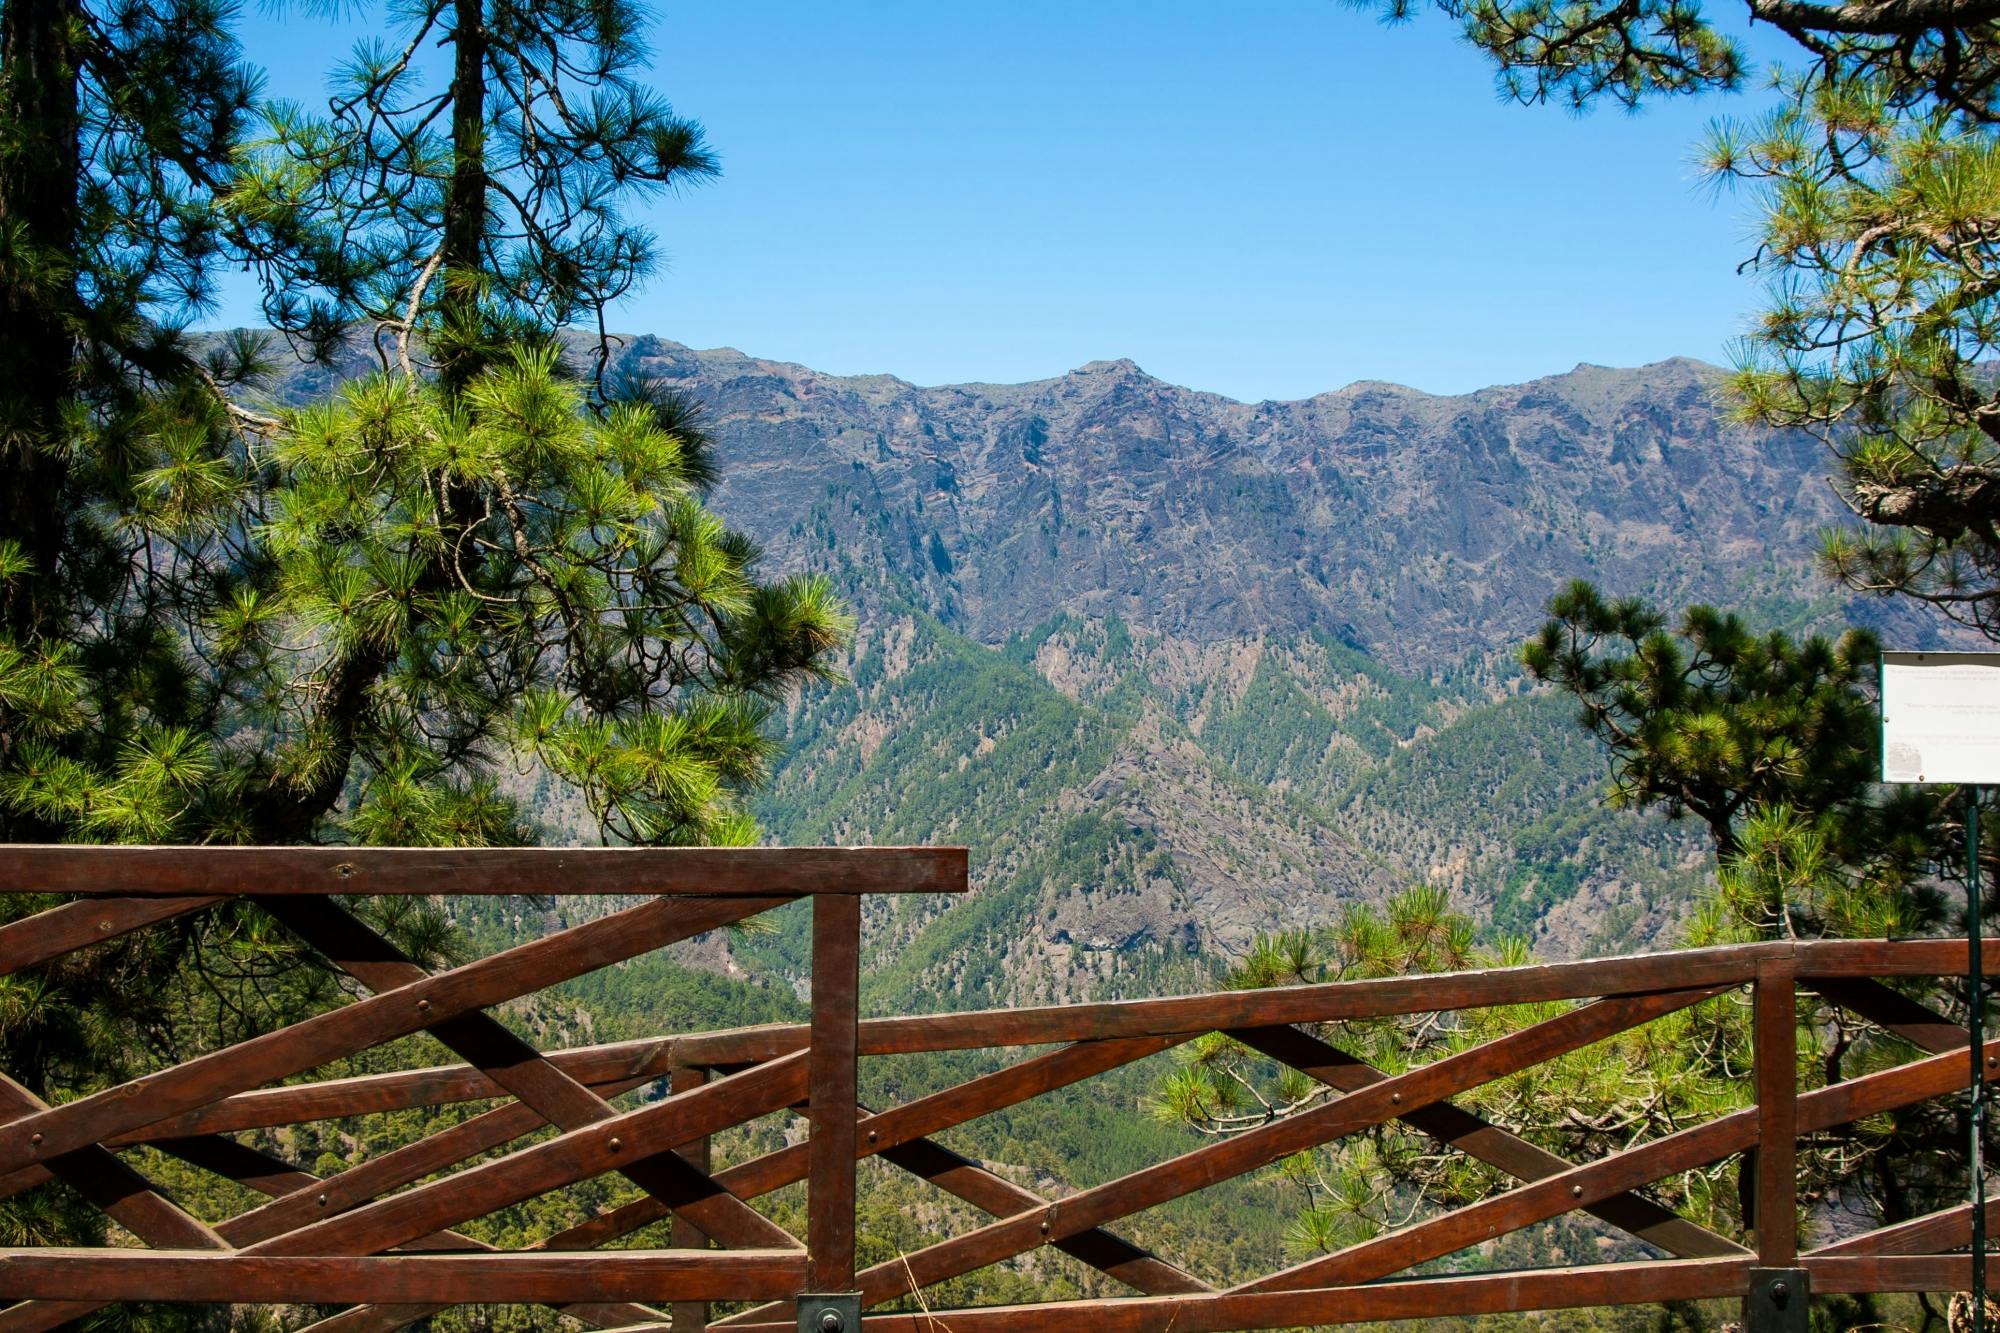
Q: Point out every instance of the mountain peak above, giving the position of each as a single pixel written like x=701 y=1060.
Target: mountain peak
x=1124 y=366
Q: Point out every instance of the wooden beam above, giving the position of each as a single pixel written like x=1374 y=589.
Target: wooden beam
x=450 y=1279
x=1486 y=1142
x=364 y=1023
x=1108 y=1253
x=1884 y=958
x=366 y=1094
x=76 y=925
x=1894 y=1272
x=1775 y=1024
x=1422 y=1299
x=1893 y=1011
x=1331 y=1002
x=836 y=993
x=1945 y=1229
x=755 y=872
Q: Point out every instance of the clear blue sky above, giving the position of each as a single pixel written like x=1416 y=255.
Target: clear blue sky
x=1264 y=199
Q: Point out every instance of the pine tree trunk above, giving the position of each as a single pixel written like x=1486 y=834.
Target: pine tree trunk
x=465 y=201
x=39 y=177
x=292 y=814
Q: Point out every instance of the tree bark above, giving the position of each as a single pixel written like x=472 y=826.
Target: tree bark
x=465 y=201
x=39 y=178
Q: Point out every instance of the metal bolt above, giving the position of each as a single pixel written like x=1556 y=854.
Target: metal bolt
x=345 y=870
x=35 y=1139
x=1045 y=1228
x=1396 y=1098
x=871 y=1136
x=831 y=1322
x=1576 y=1191
x=1780 y=1290
x=423 y=1006
x=322 y=1201
x=616 y=1144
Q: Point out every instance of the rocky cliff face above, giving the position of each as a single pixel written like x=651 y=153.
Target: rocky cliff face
x=1181 y=669
x=1419 y=528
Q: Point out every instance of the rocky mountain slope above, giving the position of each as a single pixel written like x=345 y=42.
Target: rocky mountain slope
x=1181 y=669
x=1417 y=528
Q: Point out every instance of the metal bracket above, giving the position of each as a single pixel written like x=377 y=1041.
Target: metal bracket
x=830 y=1312
x=1779 y=1301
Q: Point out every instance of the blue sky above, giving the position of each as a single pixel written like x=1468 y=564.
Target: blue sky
x=1264 y=199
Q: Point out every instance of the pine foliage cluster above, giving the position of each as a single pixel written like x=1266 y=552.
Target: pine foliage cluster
x=358 y=621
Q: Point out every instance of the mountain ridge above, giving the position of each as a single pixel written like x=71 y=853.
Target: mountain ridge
x=1181 y=669
x=1101 y=365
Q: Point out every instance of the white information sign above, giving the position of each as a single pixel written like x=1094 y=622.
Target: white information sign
x=1941 y=717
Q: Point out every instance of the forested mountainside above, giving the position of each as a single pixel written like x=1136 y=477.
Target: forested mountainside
x=1181 y=669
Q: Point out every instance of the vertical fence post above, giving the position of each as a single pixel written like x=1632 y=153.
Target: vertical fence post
x=1975 y=995
x=830 y=1303
x=690 y=1316
x=1779 y=1293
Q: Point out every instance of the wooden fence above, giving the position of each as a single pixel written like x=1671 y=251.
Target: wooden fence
x=381 y=1237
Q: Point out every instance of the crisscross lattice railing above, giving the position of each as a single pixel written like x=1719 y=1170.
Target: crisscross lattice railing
x=1371 y=1280
x=380 y=1235
x=394 y=1237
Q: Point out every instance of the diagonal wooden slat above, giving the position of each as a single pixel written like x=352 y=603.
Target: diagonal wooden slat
x=1685 y=1150
x=269 y=1175
x=59 y=930
x=313 y=1200
x=1108 y=1253
x=364 y=1023
x=261 y=1171
x=116 y=1188
x=1260 y=1147
x=1918 y=1024
x=402 y=1090
x=127 y=1197
x=952 y=1106
x=1946 y=1229
x=910 y=1122
x=608 y=1145
x=949 y=1171
x=1480 y=1138
x=363 y=953
x=590 y=1151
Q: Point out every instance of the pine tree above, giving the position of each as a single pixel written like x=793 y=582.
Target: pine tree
x=225 y=623
x=1876 y=181
x=1720 y=723
x=523 y=564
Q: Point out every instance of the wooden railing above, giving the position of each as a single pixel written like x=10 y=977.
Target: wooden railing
x=381 y=1237
x=1369 y=1281
x=369 y=1237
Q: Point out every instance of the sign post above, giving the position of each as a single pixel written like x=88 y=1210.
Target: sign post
x=1941 y=723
